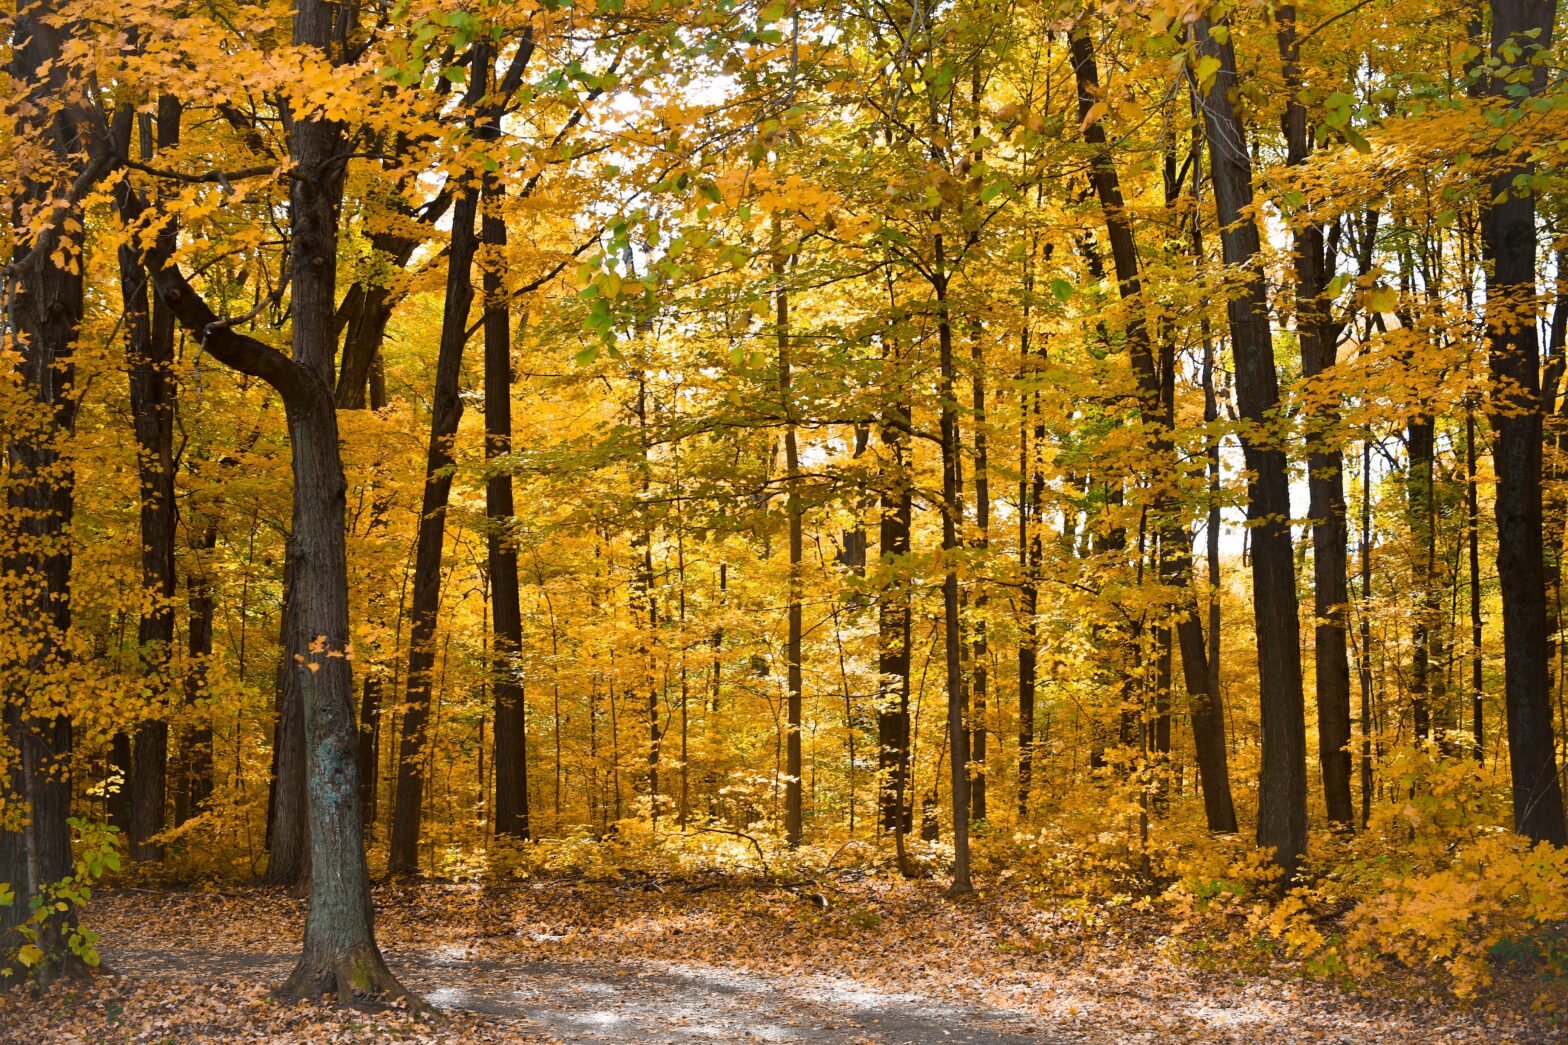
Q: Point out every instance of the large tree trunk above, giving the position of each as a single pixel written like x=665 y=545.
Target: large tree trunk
x=1325 y=463
x=1205 y=707
x=1282 y=791
x=46 y=314
x=340 y=956
x=1521 y=33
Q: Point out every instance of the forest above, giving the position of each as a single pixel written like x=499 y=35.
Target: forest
x=1044 y=506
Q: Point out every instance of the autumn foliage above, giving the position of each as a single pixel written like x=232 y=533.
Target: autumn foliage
x=1115 y=451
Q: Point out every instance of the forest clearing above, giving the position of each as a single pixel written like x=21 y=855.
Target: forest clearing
x=793 y=520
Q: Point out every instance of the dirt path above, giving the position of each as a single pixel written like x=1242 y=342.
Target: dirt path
x=639 y=1003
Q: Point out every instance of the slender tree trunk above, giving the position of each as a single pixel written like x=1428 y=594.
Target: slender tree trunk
x=952 y=514
x=1420 y=437
x=1205 y=707
x=199 y=610
x=1473 y=538
x=1282 y=792
x=1365 y=632
x=1031 y=497
x=511 y=745
x=979 y=675
x=445 y=411
x=1325 y=463
x=893 y=616
x=794 y=825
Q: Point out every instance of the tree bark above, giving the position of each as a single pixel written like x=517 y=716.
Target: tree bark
x=46 y=315
x=1508 y=243
x=511 y=731
x=1325 y=462
x=340 y=957
x=794 y=821
x=1205 y=707
x=893 y=620
x=1282 y=791
x=952 y=514
x=446 y=409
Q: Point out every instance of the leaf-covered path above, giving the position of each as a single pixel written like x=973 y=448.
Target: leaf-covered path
x=881 y=962
x=638 y=1003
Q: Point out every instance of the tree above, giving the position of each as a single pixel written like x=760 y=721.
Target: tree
x=1520 y=40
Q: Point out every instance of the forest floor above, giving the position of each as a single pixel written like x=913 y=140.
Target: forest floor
x=720 y=961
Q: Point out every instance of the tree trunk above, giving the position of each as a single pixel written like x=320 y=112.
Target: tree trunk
x=1325 y=462
x=794 y=822
x=1508 y=243
x=978 y=650
x=1205 y=707
x=340 y=956
x=197 y=787
x=446 y=409
x=1420 y=438
x=1473 y=539
x=287 y=832
x=150 y=355
x=893 y=531
x=511 y=735
x=952 y=514
x=1282 y=791
x=46 y=313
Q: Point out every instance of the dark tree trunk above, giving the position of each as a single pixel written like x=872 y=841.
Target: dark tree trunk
x=1364 y=632
x=340 y=956
x=446 y=409
x=196 y=790
x=978 y=650
x=1205 y=708
x=952 y=514
x=1473 y=539
x=46 y=314
x=1325 y=462
x=511 y=736
x=287 y=834
x=150 y=358
x=369 y=748
x=1031 y=495
x=1420 y=438
x=893 y=530
x=1508 y=241
x=1282 y=791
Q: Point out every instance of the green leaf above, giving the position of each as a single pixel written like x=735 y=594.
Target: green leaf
x=587 y=355
x=1061 y=290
